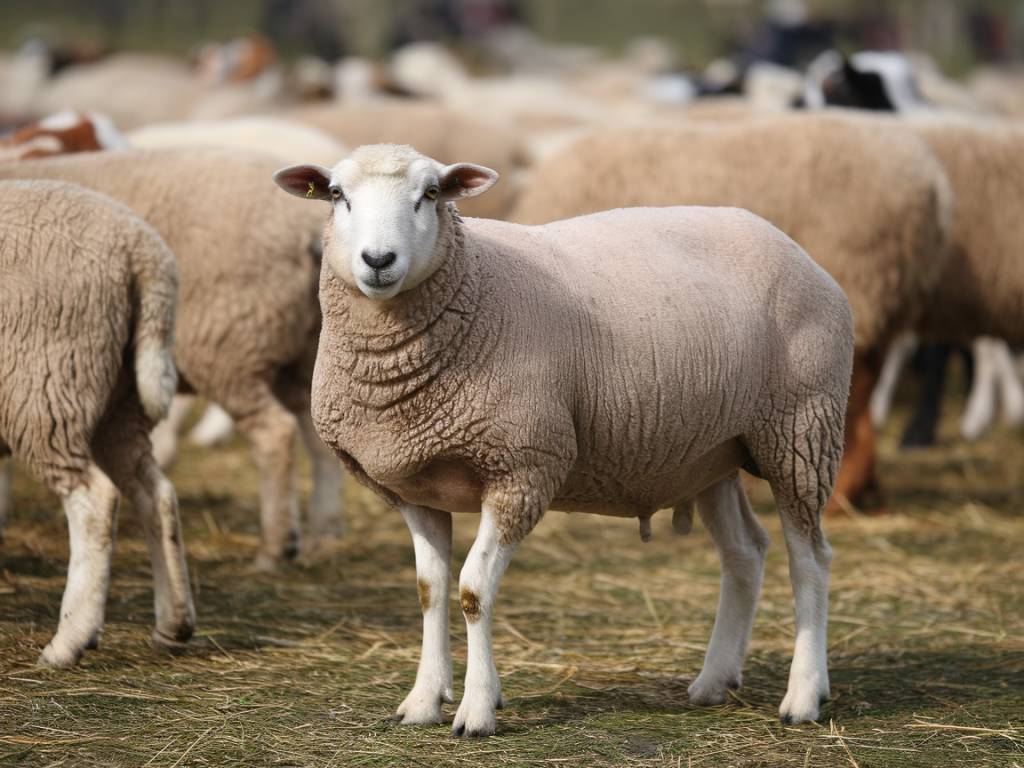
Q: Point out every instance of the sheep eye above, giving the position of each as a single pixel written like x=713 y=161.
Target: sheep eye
x=335 y=192
x=431 y=193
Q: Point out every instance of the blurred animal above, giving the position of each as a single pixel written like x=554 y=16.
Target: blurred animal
x=86 y=323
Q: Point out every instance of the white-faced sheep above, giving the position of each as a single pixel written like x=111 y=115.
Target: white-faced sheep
x=86 y=323
x=618 y=364
x=881 y=233
x=248 y=318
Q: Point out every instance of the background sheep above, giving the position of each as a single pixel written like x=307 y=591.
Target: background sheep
x=248 y=319
x=86 y=324
x=480 y=366
x=437 y=131
x=881 y=233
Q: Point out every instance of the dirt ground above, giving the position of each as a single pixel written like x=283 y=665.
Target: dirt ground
x=597 y=637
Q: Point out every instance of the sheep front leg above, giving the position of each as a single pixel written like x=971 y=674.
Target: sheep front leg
x=741 y=543
x=478 y=588
x=325 y=511
x=432 y=540
x=91 y=510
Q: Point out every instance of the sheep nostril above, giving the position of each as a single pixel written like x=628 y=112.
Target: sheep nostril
x=379 y=260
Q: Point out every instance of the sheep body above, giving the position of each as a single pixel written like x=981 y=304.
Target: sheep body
x=248 y=319
x=86 y=323
x=291 y=141
x=617 y=363
x=437 y=131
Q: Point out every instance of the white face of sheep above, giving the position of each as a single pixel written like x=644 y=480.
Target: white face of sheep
x=386 y=213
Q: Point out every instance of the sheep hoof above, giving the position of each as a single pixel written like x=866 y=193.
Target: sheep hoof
x=59 y=658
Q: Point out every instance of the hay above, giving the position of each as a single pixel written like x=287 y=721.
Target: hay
x=597 y=637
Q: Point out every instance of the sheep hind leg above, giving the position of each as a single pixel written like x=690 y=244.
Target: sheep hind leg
x=164 y=436
x=123 y=449
x=91 y=510
x=326 y=521
x=741 y=543
x=271 y=431
x=5 y=494
x=432 y=540
x=799 y=450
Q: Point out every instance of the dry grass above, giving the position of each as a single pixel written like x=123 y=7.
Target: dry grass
x=597 y=638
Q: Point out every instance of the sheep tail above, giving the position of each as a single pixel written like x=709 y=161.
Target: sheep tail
x=156 y=297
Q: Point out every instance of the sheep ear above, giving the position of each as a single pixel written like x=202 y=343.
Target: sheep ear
x=466 y=180
x=309 y=181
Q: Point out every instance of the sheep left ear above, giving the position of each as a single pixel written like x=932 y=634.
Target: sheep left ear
x=465 y=180
x=309 y=181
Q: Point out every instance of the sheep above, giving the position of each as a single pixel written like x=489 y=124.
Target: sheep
x=248 y=319
x=981 y=291
x=86 y=324
x=286 y=139
x=881 y=232
x=439 y=132
x=618 y=363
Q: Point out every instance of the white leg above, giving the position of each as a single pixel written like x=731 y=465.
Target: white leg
x=157 y=506
x=1011 y=390
x=325 y=514
x=981 y=403
x=5 y=494
x=432 y=539
x=215 y=426
x=91 y=510
x=741 y=543
x=478 y=587
x=164 y=435
x=809 y=558
x=881 y=399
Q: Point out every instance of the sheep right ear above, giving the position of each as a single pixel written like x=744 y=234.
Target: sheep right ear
x=309 y=181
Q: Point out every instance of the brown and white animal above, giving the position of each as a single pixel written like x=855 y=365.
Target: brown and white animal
x=618 y=364
x=87 y=306
x=248 y=318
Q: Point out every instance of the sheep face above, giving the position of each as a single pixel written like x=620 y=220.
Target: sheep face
x=387 y=204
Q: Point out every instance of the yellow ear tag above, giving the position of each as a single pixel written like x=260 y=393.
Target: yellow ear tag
x=311 y=190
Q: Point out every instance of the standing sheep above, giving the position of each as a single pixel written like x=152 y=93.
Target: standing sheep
x=616 y=364
x=866 y=200
x=86 y=324
x=248 y=319
x=981 y=291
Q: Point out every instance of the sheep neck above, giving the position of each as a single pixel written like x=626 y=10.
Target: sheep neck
x=397 y=348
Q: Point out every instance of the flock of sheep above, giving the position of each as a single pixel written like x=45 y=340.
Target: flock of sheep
x=552 y=352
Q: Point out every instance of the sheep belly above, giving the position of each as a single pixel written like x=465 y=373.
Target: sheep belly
x=448 y=484
x=641 y=496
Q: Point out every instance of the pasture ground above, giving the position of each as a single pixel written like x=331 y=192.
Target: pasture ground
x=597 y=637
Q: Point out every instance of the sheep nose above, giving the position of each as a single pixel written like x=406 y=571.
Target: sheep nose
x=379 y=260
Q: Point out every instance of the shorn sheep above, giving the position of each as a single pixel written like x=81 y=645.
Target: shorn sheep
x=617 y=364
x=86 y=322
x=881 y=232
x=248 y=318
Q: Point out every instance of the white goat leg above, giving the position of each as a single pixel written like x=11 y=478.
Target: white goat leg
x=881 y=399
x=741 y=543
x=478 y=587
x=809 y=558
x=91 y=510
x=214 y=427
x=432 y=539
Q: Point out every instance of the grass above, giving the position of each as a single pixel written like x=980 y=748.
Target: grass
x=597 y=637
